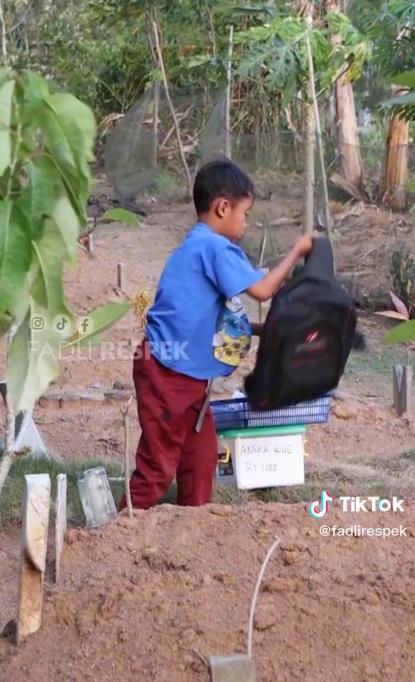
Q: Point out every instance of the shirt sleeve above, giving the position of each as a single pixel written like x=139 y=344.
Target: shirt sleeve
x=232 y=271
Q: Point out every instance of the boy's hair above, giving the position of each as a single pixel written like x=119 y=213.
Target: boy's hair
x=220 y=178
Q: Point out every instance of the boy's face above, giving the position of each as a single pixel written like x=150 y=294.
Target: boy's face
x=233 y=216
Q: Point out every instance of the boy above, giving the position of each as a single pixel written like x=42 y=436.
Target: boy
x=196 y=331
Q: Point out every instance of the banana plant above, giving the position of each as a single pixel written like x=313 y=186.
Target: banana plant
x=404 y=104
x=46 y=145
x=404 y=332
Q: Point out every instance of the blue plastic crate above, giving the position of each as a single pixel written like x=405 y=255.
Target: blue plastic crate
x=237 y=413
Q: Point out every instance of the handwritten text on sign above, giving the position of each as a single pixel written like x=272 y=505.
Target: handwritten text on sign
x=269 y=461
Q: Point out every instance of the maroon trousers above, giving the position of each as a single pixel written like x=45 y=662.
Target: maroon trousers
x=168 y=406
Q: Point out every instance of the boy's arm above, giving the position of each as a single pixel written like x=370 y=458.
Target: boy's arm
x=269 y=285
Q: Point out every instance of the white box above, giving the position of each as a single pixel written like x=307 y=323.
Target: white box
x=269 y=461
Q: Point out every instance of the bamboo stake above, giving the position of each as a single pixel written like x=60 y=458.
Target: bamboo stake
x=327 y=216
x=228 y=140
x=124 y=412
x=309 y=169
x=156 y=102
x=160 y=59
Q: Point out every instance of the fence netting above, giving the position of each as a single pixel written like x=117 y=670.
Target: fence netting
x=142 y=154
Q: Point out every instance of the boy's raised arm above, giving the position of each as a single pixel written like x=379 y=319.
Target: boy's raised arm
x=269 y=285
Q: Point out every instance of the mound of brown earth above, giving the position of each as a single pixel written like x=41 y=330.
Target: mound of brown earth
x=147 y=599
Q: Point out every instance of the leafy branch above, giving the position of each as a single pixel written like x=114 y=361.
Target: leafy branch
x=46 y=142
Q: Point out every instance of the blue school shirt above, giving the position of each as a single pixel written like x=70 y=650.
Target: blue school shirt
x=204 y=271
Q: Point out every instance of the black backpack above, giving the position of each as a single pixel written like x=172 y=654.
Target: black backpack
x=307 y=336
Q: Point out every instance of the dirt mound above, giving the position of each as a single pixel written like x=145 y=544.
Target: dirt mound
x=148 y=598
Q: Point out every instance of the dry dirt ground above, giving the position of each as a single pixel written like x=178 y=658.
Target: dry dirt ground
x=93 y=428
x=145 y=599
x=141 y=599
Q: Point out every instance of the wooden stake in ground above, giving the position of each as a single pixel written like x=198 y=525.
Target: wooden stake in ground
x=124 y=412
x=120 y=276
x=156 y=33
x=90 y=244
x=402 y=389
x=60 y=521
x=36 y=500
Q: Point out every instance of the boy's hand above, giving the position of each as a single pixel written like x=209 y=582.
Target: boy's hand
x=304 y=245
x=266 y=288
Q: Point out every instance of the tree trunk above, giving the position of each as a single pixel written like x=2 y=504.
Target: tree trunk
x=395 y=177
x=347 y=135
x=346 y=121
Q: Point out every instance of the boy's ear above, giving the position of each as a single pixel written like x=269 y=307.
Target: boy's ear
x=221 y=207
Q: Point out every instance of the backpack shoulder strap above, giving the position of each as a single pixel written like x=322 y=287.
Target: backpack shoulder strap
x=320 y=262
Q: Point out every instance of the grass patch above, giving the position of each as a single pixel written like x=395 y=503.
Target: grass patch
x=376 y=362
x=164 y=184
x=12 y=494
x=359 y=476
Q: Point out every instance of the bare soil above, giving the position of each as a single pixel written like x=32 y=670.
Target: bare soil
x=364 y=242
x=144 y=599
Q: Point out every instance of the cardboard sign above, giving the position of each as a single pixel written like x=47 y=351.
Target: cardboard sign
x=269 y=461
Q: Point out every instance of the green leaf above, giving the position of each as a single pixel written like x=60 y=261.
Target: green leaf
x=401 y=101
x=34 y=89
x=5 y=75
x=69 y=129
x=92 y=341
x=73 y=132
x=121 y=215
x=33 y=360
x=47 y=289
x=15 y=254
x=98 y=321
x=67 y=223
x=6 y=102
x=402 y=333
x=38 y=197
x=407 y=79
x=198 y=60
